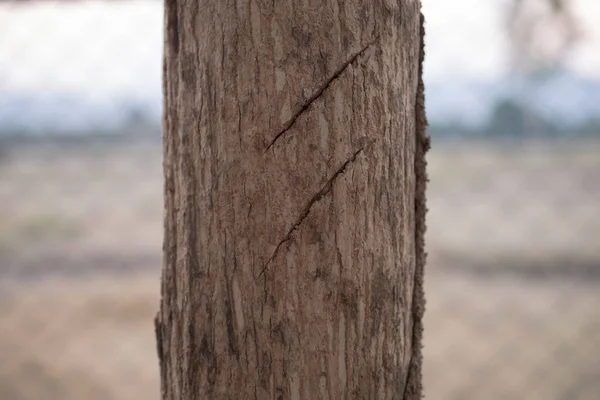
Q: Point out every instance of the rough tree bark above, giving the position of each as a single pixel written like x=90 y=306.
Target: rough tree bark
x=294 y=143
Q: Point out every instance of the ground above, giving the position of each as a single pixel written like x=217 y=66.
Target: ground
x=512 y=283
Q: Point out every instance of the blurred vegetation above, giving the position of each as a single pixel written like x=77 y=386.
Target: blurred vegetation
x=512 y=118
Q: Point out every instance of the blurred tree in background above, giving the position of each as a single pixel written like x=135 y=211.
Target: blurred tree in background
x=541 y=34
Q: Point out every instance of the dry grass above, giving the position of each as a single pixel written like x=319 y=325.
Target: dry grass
x=499 y=339
x=80 y=249
x=79 y=340
x=511 y=339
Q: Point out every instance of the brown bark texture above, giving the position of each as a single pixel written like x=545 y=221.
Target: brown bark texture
x=294 y=164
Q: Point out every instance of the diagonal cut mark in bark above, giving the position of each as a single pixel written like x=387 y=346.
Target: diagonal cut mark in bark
x=318 y=93
x=306 y=210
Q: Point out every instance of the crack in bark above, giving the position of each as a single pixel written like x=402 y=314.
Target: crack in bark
x=317 y=197
x=288 y=125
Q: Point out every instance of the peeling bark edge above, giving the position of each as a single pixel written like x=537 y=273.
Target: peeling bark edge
x=159 y=349
x=170 y=43
x=413 y=389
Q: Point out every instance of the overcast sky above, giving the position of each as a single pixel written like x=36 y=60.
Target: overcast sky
x=116 y=47
x=465 y=37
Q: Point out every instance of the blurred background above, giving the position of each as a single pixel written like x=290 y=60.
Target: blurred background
x=513 y=280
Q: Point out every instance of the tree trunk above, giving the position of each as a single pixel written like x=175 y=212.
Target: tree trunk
x=294 y=142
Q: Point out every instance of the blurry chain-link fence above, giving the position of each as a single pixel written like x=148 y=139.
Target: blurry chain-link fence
x=513 y=280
